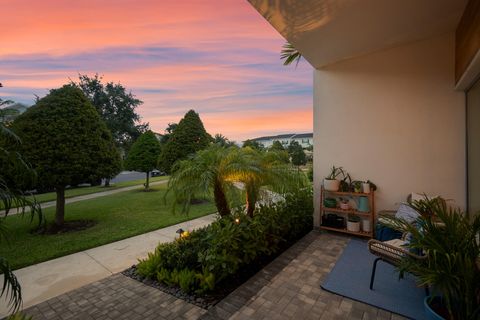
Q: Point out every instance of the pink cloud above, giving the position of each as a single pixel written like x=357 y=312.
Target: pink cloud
x=219 y=57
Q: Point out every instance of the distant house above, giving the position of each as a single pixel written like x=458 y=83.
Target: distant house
x=304 y=139
x=159 y=136
x=10 y=112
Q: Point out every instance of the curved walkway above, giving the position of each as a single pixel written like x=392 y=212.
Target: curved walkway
x=85 y=197
x=287 y=288
x=51 y=278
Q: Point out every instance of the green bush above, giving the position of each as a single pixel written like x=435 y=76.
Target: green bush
x=212 y=254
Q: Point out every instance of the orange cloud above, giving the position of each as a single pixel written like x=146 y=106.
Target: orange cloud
x=219 y=57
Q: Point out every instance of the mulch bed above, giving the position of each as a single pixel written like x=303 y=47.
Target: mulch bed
x=222 y=289
x=68 y=226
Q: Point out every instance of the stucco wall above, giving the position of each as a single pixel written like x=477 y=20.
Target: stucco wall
x=393 y=117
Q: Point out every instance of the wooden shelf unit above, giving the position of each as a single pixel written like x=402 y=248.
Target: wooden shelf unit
x=337 y=194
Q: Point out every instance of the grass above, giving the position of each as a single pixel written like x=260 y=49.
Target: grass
x=80 y=191
x=117 y=216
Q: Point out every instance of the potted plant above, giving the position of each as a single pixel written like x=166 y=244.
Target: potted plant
x=357 y=186
x=449 y=238
x=366 y=225
x=353 y=223
x=344 y=204
x=331 y=183
x=346 y=182
x=368 y=186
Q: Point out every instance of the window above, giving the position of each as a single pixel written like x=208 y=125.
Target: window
x=473 y=148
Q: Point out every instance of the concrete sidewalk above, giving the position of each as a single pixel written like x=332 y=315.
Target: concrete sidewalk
x=84 y=197
x=49 y=279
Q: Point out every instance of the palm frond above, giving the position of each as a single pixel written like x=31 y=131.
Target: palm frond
x=290 y=54
x=11 y=288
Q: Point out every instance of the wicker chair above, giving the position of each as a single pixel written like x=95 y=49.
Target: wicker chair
x=390 y=252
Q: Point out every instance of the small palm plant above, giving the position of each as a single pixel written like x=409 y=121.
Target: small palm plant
x=222 y=171
x=449 y=237
x=206 y=172
x=267 y=171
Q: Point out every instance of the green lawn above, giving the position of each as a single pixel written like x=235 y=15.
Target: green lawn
x=118 y=216
x=80 y=191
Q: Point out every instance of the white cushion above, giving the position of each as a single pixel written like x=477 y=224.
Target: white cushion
x=399 y=243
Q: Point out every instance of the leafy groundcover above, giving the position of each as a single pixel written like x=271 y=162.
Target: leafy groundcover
x=204 y=266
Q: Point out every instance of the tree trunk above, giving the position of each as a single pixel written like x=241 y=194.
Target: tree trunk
x=251 y=201
x=220 y=199
x=107 y=182
x=147 y=182
x=60 y=208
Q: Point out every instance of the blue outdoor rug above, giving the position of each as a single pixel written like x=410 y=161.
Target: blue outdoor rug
x=351 y=278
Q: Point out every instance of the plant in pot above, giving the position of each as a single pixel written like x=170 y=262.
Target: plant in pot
x=345 y=183
x=344 y=203
x=353 y=223
x=331 y=183
x=449 y=238
x=357 y=186
x=368 y=186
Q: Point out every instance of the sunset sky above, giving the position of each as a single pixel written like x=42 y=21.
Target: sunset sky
x=218 y=57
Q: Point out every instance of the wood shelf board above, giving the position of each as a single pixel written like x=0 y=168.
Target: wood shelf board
x=344 y=230
x=338 y=210
x=358 y=194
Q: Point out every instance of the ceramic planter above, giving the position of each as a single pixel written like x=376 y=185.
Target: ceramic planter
x=431 y=315
x=331 y=185
x=353 y=226
x=366 y=187
x=344 y=206
x=366 y=226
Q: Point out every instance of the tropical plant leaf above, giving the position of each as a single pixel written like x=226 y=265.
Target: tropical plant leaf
x=11 y=288
x=290 y=54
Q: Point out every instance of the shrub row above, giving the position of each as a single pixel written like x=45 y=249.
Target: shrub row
x=211 y=255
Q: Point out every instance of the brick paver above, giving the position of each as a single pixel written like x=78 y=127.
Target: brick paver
x=288 y=288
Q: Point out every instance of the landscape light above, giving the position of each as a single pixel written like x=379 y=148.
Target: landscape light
x=182 y=233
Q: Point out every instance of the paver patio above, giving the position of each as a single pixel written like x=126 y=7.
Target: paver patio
x=288 y=288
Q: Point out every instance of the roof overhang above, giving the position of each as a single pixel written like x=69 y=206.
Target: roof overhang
x=328 y=31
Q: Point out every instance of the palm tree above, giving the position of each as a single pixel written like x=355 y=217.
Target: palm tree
x=290 y=54
x=206 y=172
x=267 y=171
x=12 y=197
x=221 y=171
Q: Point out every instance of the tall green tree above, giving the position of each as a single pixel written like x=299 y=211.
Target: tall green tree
x=296 y=153
x=168 y=133
x=277 y=146
x=143 y=155
x=188 y=137
x=223 y=141
x=66 y=142
x=252 y=144
x=116 y=107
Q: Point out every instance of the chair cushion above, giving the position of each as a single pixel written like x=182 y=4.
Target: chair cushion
x=384 y=233
x=399 y=243
x=406 y=213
